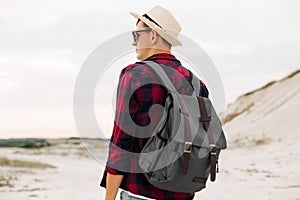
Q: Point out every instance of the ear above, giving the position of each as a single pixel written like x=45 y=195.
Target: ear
x=154 y=37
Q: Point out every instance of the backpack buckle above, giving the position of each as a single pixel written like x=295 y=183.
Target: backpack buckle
x=205 y=119
x=213 y=150
x=187 y=147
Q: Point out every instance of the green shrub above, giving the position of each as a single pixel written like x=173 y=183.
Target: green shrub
x=24 y=143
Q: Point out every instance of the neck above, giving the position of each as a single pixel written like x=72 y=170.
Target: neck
x=154 y=51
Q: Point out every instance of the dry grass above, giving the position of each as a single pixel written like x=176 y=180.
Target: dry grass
x=252 y=142
x=82 y=154
x=31 y=190
x=22 y=163
x=235 y=114
x=5 y=181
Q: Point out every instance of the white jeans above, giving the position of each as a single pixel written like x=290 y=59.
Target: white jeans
x=128 y=196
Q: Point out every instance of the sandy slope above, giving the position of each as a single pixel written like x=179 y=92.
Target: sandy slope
x=272 y=110
x=262 y=129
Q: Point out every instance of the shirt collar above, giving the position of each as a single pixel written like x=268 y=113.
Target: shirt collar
x=164 y=56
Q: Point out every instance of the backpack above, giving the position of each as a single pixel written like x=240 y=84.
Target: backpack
x=187 y=142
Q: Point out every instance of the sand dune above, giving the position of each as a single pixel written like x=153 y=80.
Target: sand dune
x=262 y=128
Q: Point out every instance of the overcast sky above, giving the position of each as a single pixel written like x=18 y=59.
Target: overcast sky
x=43 y=45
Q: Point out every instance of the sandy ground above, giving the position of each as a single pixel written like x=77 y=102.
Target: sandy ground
x=76 y=176
x=259 y=171
x=261 y=162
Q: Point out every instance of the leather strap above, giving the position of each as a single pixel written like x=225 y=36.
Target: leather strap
x=206 y=123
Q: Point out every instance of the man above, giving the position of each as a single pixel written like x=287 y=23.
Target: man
x=138 y=91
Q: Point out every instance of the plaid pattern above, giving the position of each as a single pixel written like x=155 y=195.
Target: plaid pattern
x=138 y=91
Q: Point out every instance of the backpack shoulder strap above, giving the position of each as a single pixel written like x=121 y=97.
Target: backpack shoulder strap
x=156 y=68
x=196 y=84
x=161 y=75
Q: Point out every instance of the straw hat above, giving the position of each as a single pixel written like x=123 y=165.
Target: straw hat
x=163 y=22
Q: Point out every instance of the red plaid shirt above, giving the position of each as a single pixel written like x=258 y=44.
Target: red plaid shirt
x=134 y=99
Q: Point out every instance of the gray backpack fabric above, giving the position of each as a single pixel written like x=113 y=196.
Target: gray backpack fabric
x=187 y=142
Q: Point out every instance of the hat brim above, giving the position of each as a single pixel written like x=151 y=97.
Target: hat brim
x=163 y=33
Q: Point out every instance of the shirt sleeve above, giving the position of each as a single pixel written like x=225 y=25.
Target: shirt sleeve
x=121 y=146
x=137 y=92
